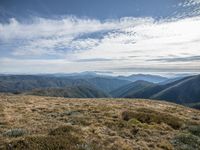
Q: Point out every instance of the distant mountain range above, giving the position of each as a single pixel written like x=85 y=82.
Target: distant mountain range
x=23 y=83
x=181 y=90
x=144 y=77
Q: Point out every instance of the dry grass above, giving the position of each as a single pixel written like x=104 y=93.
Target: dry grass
x=94 y=124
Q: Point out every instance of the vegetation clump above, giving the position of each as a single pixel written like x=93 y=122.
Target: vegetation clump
x=150 y=116
x=195 y=130
x=46 y=142
x=186 y=141
x=134 y=121
x=15 y=132
x=63 y=130
x=59 y=138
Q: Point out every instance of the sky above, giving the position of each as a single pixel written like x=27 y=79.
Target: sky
x=119 y=36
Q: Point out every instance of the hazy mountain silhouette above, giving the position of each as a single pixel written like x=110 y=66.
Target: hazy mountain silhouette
x=144 y=77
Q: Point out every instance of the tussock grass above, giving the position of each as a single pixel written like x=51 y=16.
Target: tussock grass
x=94 y=124
x=46 y=142
x=150 y=116
x=186 y=141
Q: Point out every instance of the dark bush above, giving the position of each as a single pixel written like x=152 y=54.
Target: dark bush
x=63 y=130
x=15 y=132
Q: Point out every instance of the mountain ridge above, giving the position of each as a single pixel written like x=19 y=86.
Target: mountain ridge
x=185 y=91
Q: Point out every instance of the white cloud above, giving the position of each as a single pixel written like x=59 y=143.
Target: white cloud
x=127 y=42
x=150 y=40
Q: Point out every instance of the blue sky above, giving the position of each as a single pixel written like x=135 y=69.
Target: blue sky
x=104 y=9
x=122 y=36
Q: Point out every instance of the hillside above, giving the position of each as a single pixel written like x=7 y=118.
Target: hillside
x=185 y=91
x=130 y=89
x=96 y=124
x=71 y=92
x=24 y=83
x=107 y=84
x=147 y=92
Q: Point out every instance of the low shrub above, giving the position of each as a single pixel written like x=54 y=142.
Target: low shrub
x=62 y=138
x=134 y=121
x=195 y=130
x=150 y=116
x=46 y=143
x=63 y=130
x=186 y=141
x=15 y=132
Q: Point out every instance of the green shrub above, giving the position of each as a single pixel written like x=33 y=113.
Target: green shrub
x=15 y=132
x=134 y=121
x=63 y=130
x=150 y=116
x=62 y=138
x=47 y=143
x=194 y=130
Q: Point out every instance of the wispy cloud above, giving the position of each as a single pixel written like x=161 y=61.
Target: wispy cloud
x=188 y=8
x=178 y=59
x=94 y=60
x=79 y=44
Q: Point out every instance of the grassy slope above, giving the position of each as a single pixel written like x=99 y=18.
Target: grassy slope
x=33 y=122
